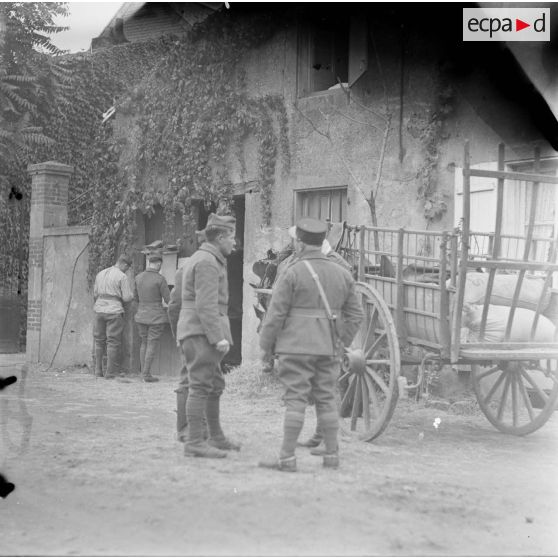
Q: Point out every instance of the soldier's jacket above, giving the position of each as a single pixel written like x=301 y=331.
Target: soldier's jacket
x=175 y=300
x=151 y=288
x=205 y=296
x=296 y=321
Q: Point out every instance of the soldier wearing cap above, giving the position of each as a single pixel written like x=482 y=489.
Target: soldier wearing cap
x=313 y=309
x=111 y=291
x=151 y=289
x=204 y=334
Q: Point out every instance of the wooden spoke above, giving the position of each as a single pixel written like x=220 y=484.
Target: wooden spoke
x=376 y=343
x=377 y=362
x=349 y=393
x=494 y=388
x=371 y=325
x=525 y=397
x=372 y=373
x=356 y=403
x=344 y=376
x=376 y=407
x=488 y=372
x=515 y=402
x=535 y=386
x=365 y=402
x=502 y=405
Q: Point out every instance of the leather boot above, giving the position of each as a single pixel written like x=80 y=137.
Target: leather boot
x=181 y=420
x=284 y=464
x=99 y=352
x=203 y=449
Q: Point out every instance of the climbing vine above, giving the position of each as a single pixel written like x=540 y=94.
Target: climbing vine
x=433 y=134
x=187 y=124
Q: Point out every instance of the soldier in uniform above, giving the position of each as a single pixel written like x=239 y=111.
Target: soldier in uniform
x=313 y=310
x=151 y=317
x=111 y=291
x=182 y=390
x=203 y=331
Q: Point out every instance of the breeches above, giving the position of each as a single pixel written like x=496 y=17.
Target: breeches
x=150 y=332
x=306 y=375
x=107 y=331
x=202 y=361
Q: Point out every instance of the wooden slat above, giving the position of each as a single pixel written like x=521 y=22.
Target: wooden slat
x=496 y=244
x=444 y=299
x=527 y=249
x=509 y=346
x=485 y=355
x=547 y=284
x=400 y=292
x=456 y=325
x=361 y=254
x=513 y=265
x=507 y=175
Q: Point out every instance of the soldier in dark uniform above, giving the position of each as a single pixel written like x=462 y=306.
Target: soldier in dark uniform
x=297 y=328
x=204 y=334
x=151 y=317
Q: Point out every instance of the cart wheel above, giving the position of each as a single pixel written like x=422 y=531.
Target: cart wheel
x=517 y=397
x=370 y=368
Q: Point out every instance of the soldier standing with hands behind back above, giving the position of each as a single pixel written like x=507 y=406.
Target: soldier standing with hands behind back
x=204 y=334
x=313 y=310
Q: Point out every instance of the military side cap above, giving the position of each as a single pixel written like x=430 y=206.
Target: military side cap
x=225 y=221
x=155 y=257
x=311 y=231
x=312 y=226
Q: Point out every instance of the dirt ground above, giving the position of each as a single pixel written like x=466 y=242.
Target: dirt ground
x=99 y=472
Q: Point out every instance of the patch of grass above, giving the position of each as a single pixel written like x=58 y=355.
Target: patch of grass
x=249 y=381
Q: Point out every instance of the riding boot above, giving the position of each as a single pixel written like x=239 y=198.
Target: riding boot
x=181 y=420
x=329 y=425
x=217 y=437
x=292 y=426
x=150 y=353
x=99 y=353
x=195 y=445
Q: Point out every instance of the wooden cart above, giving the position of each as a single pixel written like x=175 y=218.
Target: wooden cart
x=412 y=285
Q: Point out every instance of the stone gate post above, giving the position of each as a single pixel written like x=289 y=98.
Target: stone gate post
x=49 y=208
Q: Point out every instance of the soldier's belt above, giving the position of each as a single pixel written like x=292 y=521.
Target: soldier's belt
x=109 y=297
x=191 y=304
x=310 y=312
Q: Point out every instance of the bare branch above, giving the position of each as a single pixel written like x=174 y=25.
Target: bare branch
x=382 y=156
x=364 y=107
x=344 y=115
x=311 y=122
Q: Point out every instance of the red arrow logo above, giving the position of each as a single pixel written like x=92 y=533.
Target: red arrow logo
x=520 y=24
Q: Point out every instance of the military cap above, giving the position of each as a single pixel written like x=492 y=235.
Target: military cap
x=155 y=257
x=225 y=221
x=311 y=231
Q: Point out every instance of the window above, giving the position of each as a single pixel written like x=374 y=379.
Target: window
x=331 y=50
x=325 y=204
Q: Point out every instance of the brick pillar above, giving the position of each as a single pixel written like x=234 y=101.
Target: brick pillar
x=49 y=208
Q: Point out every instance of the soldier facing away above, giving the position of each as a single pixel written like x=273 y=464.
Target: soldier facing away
x=151 y=317
x=203 y=331
x=111 y=291
x=313 y=310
